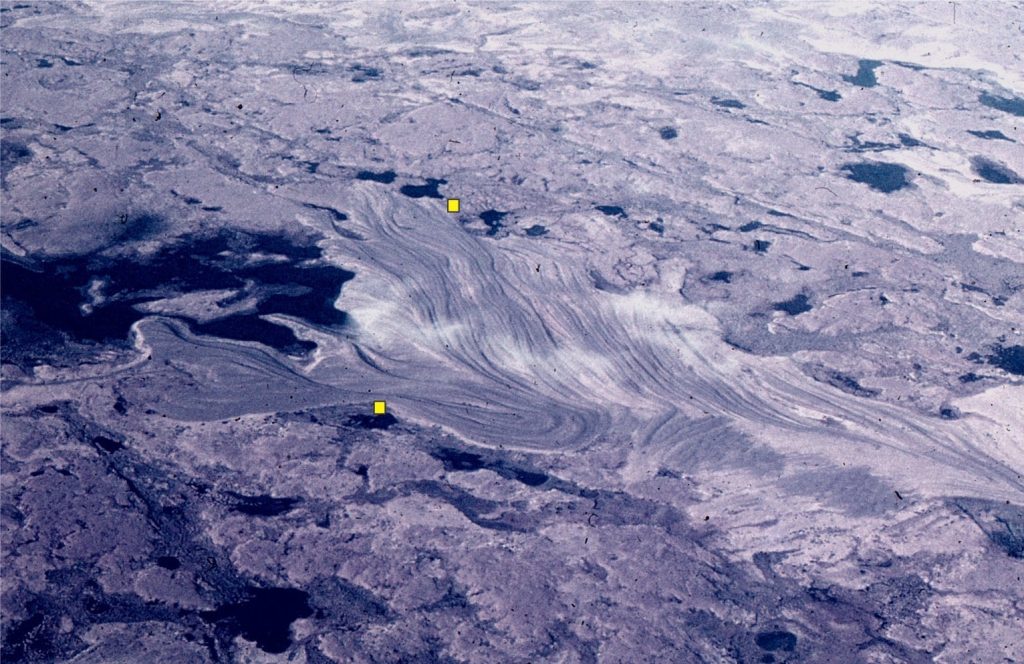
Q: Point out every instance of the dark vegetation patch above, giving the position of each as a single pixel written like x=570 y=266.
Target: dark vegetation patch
x=761 y=246
x=363 y=73
x=138 y=227
x=794 y=306
x=30 y=639
x=384 y=177
x=1002 y=522
x=365 y=421
x=453 y=459
x=882 y=177
x=48 y=294
x=458 y=460
x=428 y=190
x=865 y=76
x=845 y=383
x=751 y=226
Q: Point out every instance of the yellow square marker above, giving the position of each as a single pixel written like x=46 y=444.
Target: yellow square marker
x=379 y=407
x=453 y=205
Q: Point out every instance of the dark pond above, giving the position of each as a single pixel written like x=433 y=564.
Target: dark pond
x=385 y=177
x=1012 y=105
x=264 y=616
x=50 y=293
x=879 y=176
x=865 y=76
x=795 y=306
x=993 y=172
x=776 y=640
x=611 y=210
x=428 y=190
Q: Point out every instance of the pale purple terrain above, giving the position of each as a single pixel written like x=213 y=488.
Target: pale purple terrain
x=720 y=361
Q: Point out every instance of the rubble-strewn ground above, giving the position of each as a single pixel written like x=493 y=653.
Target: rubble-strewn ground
x=720 y=361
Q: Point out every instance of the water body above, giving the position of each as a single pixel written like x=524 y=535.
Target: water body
x=51 y=294
x=870 y=146
x=428 y=190
x=536 y=230
x=761 y=246
x=384 y=177
x=776 y=640
x=728 y=103
x=13 y=153
x=794 y=306
x=108 y=445
x=457 y=460
x=990 y=135
x=529 y=477
x=722 y=276
x=168 y=562
x=908 y=141
x=880 y=176
x=262 y=505
x=492 y=219
x=611 y=210
x=827 y=95
x=1008 y=358
x=865 y=76
x=264 y=616
x=337 y=215
x=1012 y=105
x=994 y=172
x=668 y=133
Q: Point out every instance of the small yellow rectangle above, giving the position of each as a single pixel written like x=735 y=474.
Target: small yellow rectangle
x=379 y=407
x=453 y=205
